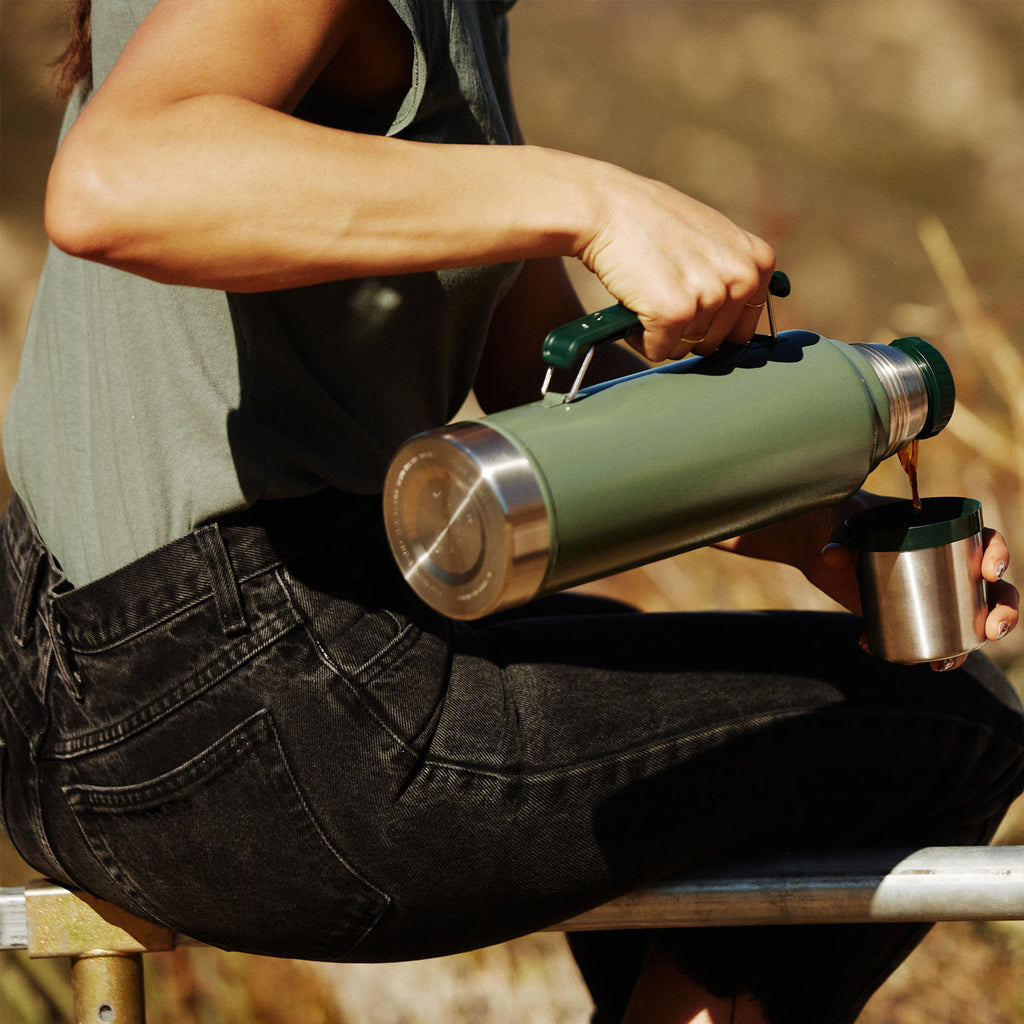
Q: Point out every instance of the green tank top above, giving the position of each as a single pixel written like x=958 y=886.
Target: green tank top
x=142 y=410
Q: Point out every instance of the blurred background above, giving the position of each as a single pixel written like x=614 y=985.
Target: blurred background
x=878 y=145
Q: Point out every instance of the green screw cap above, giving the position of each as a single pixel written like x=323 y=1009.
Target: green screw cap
x=938 y=382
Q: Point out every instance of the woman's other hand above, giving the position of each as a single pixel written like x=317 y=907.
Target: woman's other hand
x=816 y=544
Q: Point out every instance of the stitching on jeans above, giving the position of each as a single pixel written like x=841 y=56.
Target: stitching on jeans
x=187 y=689
x=725 y=730
x=324 y=655
x=128 y=637
x=28 y=586
x=60 y=650
x=173 y=613
x=397 y=639
x=321 y=652
x=595 y=764
x=226 y=596
x=341 y=674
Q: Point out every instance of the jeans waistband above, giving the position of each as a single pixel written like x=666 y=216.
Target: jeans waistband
x=209 y=562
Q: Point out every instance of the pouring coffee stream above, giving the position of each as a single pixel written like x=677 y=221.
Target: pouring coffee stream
x=908 y=457
x=489 y=513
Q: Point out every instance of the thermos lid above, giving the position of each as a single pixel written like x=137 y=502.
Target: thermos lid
x=466 y=520
x=938 y=382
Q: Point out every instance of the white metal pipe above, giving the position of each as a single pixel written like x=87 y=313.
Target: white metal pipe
x=831 y=887
x=929 y=884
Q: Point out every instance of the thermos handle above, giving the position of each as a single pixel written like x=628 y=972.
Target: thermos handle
x=564 y=345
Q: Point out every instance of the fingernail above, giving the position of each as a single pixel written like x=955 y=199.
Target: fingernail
x=1004 y=628
x=863 y=644
x=1000 y=569
x=945 y=666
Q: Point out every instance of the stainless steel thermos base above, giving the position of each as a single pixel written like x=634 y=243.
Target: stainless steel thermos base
x=467 y=520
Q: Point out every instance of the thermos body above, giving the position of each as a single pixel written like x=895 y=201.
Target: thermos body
x=486 y=514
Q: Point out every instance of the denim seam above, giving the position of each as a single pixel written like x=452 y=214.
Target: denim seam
x=323 y=835
x=43 y=835
x=723 y=731
x=236 y=739
x=360 y=672
x=77 y=745
x=28 y=585
x=406 y=635
x=355 y=690
x=226 y=597
x=175 y=612
x=321 y=652
x=340 y=674
x=60 y=651
x=22 y=713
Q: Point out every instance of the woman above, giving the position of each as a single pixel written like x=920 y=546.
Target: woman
x=289 y=235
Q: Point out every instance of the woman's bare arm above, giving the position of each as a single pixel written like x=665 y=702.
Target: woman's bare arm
x=187 y=167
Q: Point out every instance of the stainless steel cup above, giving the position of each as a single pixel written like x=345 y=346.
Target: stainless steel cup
x=919 y=573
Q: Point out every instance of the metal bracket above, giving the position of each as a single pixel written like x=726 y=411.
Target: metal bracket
x=105 y=945
x=571 y=393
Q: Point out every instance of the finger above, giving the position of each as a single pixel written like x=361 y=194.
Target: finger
x=837 y=556
x=719 y=307
x=746 y=323
x=720 y=312
x=724 y=328
x=754 y=297
x=946 y=665
x=997 y=555
x=664 y=341
x=657 y=338
x=1004 y=614
x=736 y=319
x=700 y=334
x=949 y=664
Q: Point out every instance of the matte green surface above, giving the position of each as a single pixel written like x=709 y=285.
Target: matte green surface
x=683 y=455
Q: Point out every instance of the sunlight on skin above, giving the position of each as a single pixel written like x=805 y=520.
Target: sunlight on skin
x=664 y=995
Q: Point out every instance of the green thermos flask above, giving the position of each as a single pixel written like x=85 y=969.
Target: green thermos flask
x=487 y=514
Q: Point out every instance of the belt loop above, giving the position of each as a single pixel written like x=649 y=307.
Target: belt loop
x=226 y=597
x=61 y=652
x=24 y=601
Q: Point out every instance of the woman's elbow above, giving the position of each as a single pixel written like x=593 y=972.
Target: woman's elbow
x=81 y=213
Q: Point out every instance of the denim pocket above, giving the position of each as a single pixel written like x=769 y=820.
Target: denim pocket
x=189 y=846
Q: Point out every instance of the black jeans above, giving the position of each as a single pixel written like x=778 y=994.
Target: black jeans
x=259 y=737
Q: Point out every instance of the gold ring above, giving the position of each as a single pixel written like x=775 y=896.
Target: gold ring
x=754 y=305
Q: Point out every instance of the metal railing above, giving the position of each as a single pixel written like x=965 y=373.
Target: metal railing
x=106 y=944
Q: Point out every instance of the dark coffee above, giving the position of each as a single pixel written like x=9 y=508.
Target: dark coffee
x=908 y=459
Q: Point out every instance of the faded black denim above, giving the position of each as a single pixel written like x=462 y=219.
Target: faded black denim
x=259 y=737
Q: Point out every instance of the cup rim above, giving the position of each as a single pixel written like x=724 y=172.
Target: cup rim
x=898 y=526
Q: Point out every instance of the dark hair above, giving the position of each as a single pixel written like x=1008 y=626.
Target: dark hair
x=74 y=65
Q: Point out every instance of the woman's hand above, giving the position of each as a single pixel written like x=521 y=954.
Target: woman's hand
x=816 y=544
x=693 y=277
